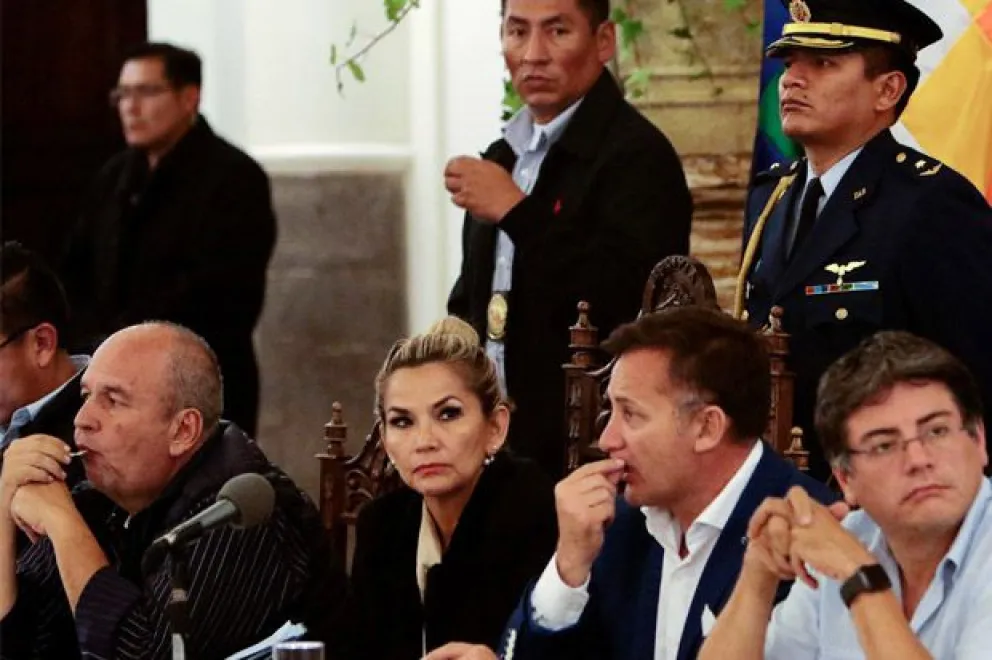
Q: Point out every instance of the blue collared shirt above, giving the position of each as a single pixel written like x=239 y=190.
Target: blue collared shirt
x=530 y=142
x=27 y=414
x=953 y=620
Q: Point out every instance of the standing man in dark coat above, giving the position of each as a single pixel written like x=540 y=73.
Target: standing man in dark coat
x=864 y=233
x=578 y=201
x=178 y=227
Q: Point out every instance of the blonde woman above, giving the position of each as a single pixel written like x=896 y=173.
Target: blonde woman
x=447 y=557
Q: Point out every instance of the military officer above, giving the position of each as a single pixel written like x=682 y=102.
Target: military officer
x=864 y=233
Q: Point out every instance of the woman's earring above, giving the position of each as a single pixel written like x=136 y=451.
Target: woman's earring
x=488 y=460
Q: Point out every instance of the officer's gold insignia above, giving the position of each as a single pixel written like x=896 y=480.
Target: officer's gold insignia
x=799 y=11
x=920 y=164
x=901 y=158
x=858 y=194
x=933 y=170
x=840 y=270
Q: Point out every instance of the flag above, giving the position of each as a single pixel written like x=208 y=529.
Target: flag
x=770 y=144
x=950 y=115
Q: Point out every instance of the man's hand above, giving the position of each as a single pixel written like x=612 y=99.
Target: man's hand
x=36 y=459
x=459 y=651
x=586 y=504
x=769 y=538
x=819 y=541
x=35 y=507
x=481 y=187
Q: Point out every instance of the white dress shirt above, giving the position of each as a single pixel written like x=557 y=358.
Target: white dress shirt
x=557 y=606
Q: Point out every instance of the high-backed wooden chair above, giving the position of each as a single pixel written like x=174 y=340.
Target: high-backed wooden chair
x=674 y=282
x=347 y=483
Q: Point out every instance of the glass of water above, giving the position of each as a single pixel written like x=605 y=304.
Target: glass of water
x=298 y=651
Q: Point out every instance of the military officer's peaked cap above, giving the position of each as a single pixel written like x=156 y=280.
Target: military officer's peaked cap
x=846 y=24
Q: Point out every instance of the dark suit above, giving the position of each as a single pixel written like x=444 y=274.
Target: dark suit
x=188 y=242
x=611 y=200
x=924 y=235
x=620 y=620
x=505 y=536
x=56 y=418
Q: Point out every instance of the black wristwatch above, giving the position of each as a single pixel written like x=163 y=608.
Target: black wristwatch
x=869 y=578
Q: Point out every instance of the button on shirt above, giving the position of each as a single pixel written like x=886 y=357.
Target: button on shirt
x=27 y=414
x=557 y=606
x=953 y=620
x=829 y=180
x=530 y=142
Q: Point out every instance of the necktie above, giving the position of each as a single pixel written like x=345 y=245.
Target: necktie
x=807 y=214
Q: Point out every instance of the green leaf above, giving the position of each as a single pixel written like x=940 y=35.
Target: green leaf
x=630 y=31
x=334 y=54
x=681 y=32
x=351 y=35
x=753 y=27
x=734 y=5
x=637 y=82
x=356 y=70
x=394 y=8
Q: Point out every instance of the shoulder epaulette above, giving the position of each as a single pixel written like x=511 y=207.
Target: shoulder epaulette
x=776 y=171
x=916 y=164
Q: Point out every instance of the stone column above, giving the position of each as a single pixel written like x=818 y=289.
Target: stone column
x=703 y=94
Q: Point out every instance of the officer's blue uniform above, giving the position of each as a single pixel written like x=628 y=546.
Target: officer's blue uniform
x=904 y=242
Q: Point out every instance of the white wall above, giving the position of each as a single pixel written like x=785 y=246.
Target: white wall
x=433 y=90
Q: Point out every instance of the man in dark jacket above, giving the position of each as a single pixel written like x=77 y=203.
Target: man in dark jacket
x=39 y=379
x=156 y=455
x=577 y=202
x=178 y=227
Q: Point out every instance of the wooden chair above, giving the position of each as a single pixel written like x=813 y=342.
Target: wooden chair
x=347 y=483
x=674 y=282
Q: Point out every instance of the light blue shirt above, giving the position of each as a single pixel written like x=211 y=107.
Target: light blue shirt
x=27 y=414
x=829 y=180
x=530 y=142
x=953 y=620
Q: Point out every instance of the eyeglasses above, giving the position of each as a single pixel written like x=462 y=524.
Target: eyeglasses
x=11 y=338
x=138 y=92
x=934 y=436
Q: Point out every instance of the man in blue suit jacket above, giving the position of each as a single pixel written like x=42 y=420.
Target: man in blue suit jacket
x=643 y=577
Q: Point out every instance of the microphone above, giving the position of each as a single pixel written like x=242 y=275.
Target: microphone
x=244 y=501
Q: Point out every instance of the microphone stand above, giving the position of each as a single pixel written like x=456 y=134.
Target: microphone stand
x=178 y=596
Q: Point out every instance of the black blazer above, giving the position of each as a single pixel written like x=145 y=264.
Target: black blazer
x=504 y=539
x=189 y=243
x=919 y=236
x=611 y=200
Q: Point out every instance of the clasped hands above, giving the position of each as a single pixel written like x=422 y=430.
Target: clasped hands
x=32 y=483
x=789 y=536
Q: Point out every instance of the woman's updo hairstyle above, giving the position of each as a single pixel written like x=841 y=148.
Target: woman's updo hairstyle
x=451 y=341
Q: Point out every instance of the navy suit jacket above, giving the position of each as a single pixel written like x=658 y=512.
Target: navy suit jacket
x=620 y=619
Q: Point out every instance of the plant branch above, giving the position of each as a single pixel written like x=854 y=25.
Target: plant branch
x=351 y=62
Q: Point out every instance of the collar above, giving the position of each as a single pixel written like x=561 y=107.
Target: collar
x=26 y=414
x=831 y=178
x=428 y=548
x=663 y=526
x=523 y=135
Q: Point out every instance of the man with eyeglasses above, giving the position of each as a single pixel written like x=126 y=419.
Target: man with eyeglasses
x=39 y=379
x=178 y=227
x=909 y=575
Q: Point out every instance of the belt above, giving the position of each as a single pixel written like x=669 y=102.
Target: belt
x=496 y=314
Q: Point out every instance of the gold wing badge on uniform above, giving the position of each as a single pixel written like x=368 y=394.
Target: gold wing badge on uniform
x=841 y=270
x=840 y=286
